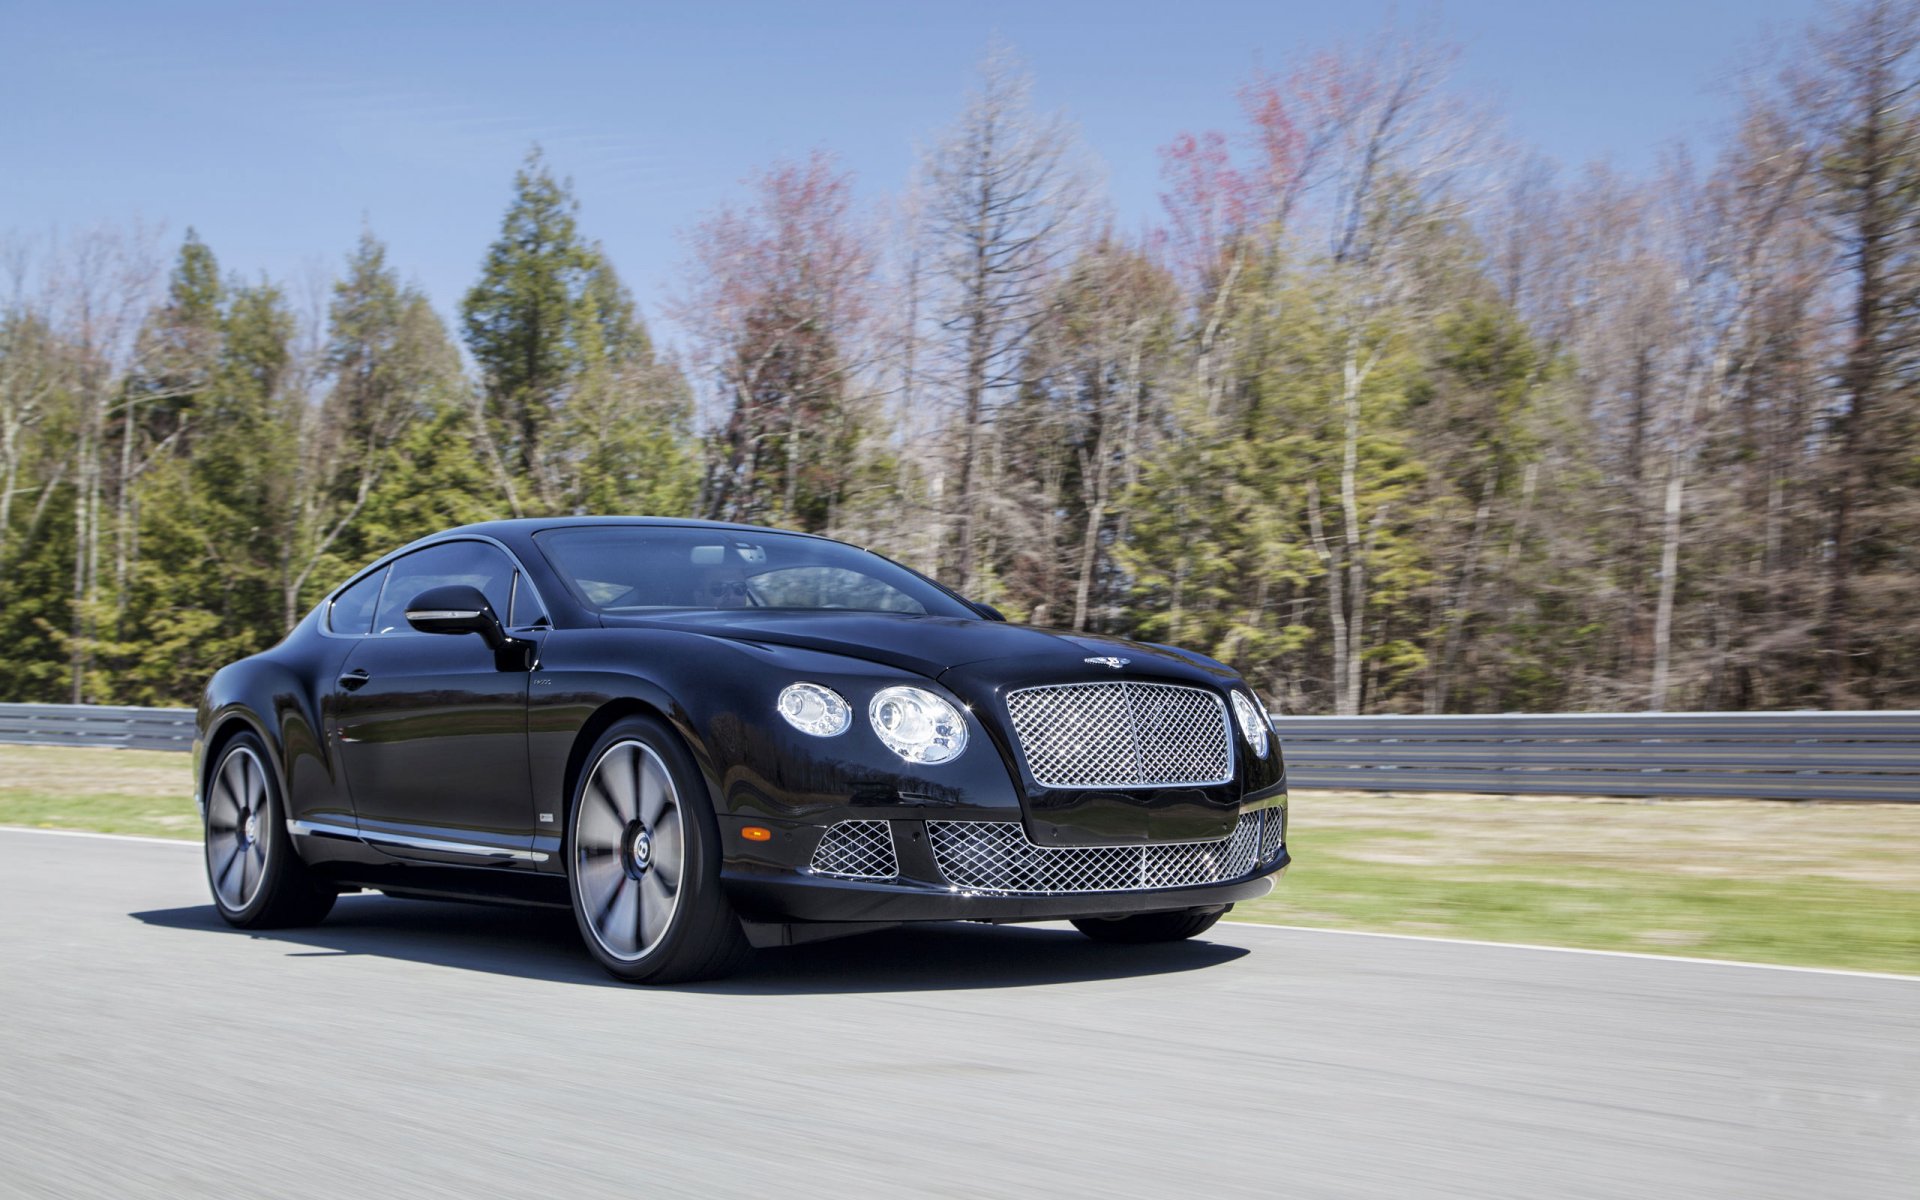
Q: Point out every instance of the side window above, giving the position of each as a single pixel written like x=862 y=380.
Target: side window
x=352 y=610
x=473 y=563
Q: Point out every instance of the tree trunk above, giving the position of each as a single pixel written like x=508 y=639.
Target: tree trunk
x=123 y=509
x=978 y=348
x=1872 y=231
x=1460 y=602
x=1670 y=528
x=1352 y=377
x=1336 y=602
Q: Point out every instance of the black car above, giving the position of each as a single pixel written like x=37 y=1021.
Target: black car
x=705 y=737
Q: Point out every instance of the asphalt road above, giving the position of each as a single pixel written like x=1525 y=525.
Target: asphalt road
x=413 y=1049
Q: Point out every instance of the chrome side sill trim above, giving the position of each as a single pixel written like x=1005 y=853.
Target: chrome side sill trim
x=445 y=846
x=321 y=829
x=440 y=845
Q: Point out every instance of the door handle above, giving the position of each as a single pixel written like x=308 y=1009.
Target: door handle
x=353 y=679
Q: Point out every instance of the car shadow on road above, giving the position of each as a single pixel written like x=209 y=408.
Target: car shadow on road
x=544 y=944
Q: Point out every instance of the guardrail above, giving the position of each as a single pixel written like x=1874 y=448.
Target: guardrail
x=97 y=725
x=1774 y=755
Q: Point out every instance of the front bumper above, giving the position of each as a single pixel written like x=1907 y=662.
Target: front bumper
x=926 y=884
x=789 y=898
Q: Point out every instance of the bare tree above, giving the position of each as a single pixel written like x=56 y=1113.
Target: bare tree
x=1003 y=191
x=31 y=371
x=779 y=300
x=1862 y=96
x=104 y=282
x=1096 y=372
x=1388 y=151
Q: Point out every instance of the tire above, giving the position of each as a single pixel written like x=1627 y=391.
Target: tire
x=643 y=861
x=1142 y=929
x=257 y=878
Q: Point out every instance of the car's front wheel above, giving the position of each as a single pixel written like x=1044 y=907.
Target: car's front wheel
x=643 y=858
x=258 y=880
x=1141 y=929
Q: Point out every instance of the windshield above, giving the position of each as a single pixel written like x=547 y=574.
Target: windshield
x=645 y=568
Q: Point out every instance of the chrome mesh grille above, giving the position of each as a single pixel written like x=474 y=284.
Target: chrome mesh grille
x=1273 y=832
x=857 y=850
x=1098 y=735
x=995 y=856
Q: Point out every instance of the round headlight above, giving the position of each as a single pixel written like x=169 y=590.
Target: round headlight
x=918 y=725
x=814 y=709
x=1253 y=722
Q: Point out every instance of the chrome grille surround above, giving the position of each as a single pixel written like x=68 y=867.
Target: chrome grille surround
x=857 y=850
x=1273 y=832
x=1122 y=735
x=995 y=857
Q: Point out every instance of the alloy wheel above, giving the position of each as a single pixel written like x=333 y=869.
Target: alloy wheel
x=629 y=851
x=238 y=837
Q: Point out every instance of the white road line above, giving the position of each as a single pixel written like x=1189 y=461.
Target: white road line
x=1404 y=937
x=109 y=837
x=1669 y=958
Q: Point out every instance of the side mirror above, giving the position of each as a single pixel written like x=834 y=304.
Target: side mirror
x=456 y=608
x=988 y=611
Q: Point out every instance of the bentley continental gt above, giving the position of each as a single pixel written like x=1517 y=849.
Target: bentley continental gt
x=704 y=737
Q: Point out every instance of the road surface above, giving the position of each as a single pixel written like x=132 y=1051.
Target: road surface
x=413 y=1049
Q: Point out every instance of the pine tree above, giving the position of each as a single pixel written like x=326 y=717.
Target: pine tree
x=392 y=366
x=555 y=332
x=214 y=526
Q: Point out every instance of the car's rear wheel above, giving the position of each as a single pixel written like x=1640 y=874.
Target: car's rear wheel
x=258 y=880
x=1140 y=929
x=643 y=860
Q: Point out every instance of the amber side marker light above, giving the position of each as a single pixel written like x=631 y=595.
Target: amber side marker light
x=756 y=833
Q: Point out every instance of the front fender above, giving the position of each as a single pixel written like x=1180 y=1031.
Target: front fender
x=720 y=695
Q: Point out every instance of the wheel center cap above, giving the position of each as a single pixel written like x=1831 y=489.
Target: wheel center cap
x=641 y=849
x=251 y=830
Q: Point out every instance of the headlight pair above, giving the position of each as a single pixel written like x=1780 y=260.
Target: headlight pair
x=913 y=722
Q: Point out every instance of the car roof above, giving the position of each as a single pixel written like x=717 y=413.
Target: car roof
x=523 y=526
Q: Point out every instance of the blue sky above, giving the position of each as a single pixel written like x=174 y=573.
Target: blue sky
x=276 y=128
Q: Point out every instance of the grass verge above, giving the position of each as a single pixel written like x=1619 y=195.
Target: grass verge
x=1805 y=884
x=1832 y=885
x=106 y=791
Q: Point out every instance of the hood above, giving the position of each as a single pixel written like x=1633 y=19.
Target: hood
x=931 y=646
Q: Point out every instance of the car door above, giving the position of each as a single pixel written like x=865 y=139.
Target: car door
x=431 y=728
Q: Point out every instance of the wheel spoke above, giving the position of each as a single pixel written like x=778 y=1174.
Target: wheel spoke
x=600 y=878
x=655 y=791
x=616 y=780
x=233 y=774
x=225 y=870
x=223 y=802
x=223 y=811
x=618 y=925
x=668 y=849
x=599 y=827
x=257 y=861
x=256 y=785
x=243 y=781
x=656 y=908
